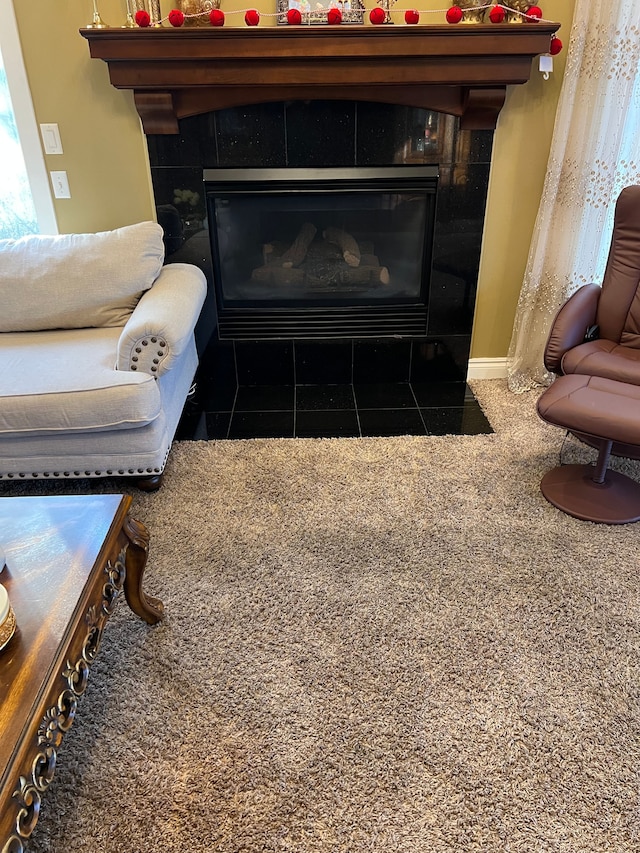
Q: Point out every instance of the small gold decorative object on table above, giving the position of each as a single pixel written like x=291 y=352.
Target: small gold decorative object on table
x=196 y=12
x=7 y=619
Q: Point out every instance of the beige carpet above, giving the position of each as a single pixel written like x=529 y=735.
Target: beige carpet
x=370 y=645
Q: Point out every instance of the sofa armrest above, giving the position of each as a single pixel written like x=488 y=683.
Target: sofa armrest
x=162 y=323
x=570 y=325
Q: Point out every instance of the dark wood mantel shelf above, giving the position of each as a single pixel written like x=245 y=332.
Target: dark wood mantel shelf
x=462 y=70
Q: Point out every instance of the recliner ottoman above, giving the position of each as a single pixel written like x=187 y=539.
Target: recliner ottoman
x=605 y=411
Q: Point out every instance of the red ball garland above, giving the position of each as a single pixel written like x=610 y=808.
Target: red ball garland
x=176 y=18
x=555 y=47
x=143 y=18
x=377 y=15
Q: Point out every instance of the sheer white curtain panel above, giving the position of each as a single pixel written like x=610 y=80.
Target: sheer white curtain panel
x=595 y=152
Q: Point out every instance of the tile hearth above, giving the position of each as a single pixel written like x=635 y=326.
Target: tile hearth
x=324 y=390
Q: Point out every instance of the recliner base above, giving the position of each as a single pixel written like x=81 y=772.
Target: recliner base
x=572 y=489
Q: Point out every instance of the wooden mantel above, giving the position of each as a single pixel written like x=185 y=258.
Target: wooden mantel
x=459 y=69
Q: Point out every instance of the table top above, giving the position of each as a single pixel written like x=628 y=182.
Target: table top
x=52 y=545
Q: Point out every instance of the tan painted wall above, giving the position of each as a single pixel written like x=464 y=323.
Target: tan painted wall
x=105 y=155
x=520 y=154
x=104 y=150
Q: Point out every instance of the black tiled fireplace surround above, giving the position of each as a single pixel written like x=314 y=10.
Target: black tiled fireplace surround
x=324 y=388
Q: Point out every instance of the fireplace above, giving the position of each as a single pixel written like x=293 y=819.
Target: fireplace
x=304 y=253
x=325 y=97
x=414 y=170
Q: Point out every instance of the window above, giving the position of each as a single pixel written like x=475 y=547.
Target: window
x=17 y=211
x=25 y=200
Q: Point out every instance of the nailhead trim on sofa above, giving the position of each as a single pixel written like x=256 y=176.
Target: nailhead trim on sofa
x=71 y=475
x=147 y=357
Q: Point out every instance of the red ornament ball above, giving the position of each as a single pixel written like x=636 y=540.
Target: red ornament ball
x=334 y=16
x=294 y=16
x=252 y=18
x=143 y=18
x=411 y=16
x=496 y=15
x=216 y=16
x=454 y=15
x=176 y=18
x=555 y=47
x=534 y=14
x=376 y=15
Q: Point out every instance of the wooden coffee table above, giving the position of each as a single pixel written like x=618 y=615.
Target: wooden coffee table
x=68 y=561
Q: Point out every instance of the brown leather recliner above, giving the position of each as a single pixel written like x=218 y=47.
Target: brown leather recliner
x=597 y=330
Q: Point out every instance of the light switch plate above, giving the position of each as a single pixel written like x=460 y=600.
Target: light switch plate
x=51 y=138
x=60 y=184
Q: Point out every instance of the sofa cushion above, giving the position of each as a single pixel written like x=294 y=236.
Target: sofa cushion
x=72 y=281
x=65 y=382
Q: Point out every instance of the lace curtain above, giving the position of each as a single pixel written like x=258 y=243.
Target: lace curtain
x=595 y=152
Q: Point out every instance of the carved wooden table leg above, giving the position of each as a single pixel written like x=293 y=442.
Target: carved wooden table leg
x=148 y=608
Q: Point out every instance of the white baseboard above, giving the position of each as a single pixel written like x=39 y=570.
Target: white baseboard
x=487 y=368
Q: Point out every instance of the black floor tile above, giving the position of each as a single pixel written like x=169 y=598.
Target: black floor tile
x=220 y=398
x=441 y=394
x=323 y=362
x=317 y=397
x=384 y=395
x=327 y=424
x=327 y=411
x=444 y=359
x=264 y=398
x=456 y=420
x=264 y=362
x=381 y=360
x=217 y=425
x=261 y=425
x=189 y=425
x=381 y=422
x=217 y=369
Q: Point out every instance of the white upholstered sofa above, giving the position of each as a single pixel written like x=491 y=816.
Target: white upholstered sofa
x=97 y=353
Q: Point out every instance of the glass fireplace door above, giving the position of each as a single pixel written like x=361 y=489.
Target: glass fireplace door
x=321 y=238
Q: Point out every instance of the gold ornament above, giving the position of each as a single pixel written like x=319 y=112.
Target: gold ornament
x=473 y=11
x=517 y=8
x=199 y=8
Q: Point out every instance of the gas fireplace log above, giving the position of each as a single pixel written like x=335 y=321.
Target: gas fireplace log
x=267 y=253
x=347 y=244
x=295 y=277
x=346 y=277
x=272 y=274
x=365 y=275
x=297 y=252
